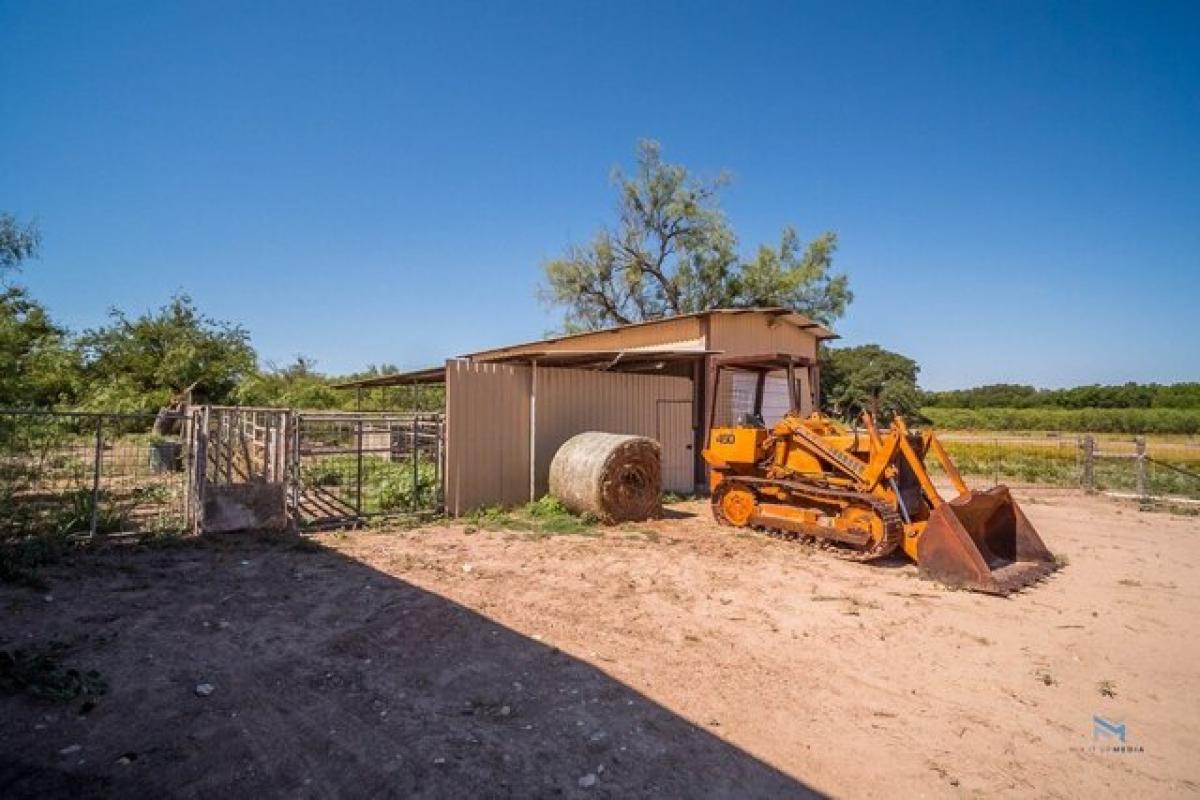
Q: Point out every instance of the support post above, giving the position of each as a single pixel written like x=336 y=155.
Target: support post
x=533 y=431
x=814 y=379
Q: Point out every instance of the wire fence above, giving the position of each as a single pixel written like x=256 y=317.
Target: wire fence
x=83 y=473
x=1130 y=466
x=211 y=467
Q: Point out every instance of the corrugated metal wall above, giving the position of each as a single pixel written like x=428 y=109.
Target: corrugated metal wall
x=488 y=424
x=487 y=435
x=752 y=334
x=571 y=401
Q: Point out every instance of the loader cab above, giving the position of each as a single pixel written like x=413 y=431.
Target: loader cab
x=748 y=396
x=757 y=391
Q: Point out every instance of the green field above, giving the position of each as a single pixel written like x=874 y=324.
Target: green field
x=1094 y=420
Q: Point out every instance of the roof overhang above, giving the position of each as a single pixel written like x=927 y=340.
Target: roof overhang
x=602 y=359
x=774 y=312
x=631 y=360
x=412 y=378
x=764 y=362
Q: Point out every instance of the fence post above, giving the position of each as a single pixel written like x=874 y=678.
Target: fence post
x=416 y=473
x=1143 y=488
x=1088 y=476
x=995 y=462
x=359 y=471
x=293 y=422
x=200 y=469
x=439 y=465
x=96 y=476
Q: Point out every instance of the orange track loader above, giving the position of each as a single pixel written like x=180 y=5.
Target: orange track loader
x=865 y=494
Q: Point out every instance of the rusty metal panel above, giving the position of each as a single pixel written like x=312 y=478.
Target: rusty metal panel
x=751 y=334
x=487 y=435
x=571 y=401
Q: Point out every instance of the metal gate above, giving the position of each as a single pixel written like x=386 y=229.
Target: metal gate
x=347 y=468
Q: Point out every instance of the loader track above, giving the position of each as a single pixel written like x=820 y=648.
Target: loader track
x=893 y=525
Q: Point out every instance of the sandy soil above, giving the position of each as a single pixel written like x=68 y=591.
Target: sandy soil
x=670 y=659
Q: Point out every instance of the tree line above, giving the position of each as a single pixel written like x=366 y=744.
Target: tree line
x=143 y=362
x=1126 y=395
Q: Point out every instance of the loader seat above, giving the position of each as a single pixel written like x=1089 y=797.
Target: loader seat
x=750 y=420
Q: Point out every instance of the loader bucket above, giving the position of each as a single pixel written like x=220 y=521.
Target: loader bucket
x=982 y=541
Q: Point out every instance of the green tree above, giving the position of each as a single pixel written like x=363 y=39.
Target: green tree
x=296 y=385
x=37 y=366
x=18 y=243
x=141 y=363
x=672 y=251
x=869 y=378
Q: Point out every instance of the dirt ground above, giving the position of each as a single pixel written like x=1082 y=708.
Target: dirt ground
x=670 y=659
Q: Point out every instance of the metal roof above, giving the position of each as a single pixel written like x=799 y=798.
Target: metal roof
x=799 y=320
x=603 y=359
x=427 y=375
x=596 y=359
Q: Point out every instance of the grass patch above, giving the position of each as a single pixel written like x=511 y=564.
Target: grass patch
x=545 y=516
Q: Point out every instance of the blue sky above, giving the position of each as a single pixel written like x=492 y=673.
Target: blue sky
x=1016 y=185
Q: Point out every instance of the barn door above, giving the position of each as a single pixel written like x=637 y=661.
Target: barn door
x=674 y=433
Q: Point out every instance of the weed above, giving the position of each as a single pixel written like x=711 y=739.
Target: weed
x=1045 y=677
x=386 y=485
x=1129 y=582
x=38 y=671
x=1107 y=688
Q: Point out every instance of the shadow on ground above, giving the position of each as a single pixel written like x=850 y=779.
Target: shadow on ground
x=331 y=679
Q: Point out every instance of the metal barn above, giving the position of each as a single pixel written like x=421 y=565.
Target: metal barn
x=509 y=409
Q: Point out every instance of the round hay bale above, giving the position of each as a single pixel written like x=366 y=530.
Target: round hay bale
x=613 y=477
